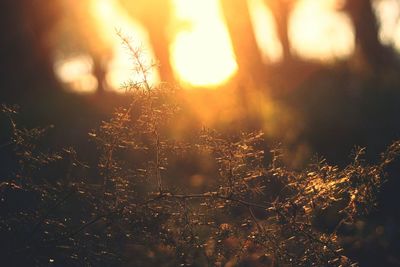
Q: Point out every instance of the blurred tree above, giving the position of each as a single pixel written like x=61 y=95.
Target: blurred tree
x=80 y=32
x=281 y=10
x=366 y=30
x=25 y=46
x=248 y=56
x=155 y=16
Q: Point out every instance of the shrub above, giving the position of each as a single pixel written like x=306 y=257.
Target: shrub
x=140 y=210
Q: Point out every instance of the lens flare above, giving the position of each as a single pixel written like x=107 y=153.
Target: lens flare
x=202 y=53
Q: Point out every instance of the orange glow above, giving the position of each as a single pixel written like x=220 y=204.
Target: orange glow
x=264 y=29
x=76 y=72
x=388 y=16
x=317 y=31
x=201 y=49
x=107 y=18
x=120 y=66
x=202 y=54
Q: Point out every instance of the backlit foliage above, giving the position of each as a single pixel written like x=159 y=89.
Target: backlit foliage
x=139 y=210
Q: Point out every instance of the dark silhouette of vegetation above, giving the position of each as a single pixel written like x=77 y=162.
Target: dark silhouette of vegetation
x=139 y=210
x=138 y=194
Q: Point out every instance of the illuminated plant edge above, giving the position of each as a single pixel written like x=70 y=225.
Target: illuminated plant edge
x=136 y=212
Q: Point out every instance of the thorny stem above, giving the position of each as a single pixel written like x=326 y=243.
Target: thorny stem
x=259 y=227
x=165 y=195
x=111 y=148
x=142 y=70
x=230 y=175
x=158 y=165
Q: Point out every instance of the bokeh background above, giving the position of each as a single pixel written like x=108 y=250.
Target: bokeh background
x=318 y=76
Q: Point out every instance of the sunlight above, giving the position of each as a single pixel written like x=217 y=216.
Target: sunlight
x=388 y=13
x=120 y=69
x=202 y=53
x=264 y=28
x=76 y=71
x=201 y=50
x=317 y=31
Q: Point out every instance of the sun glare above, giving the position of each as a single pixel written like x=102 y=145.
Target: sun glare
x=201 y=49
x=388 y=16
x=120 y=68
x=264 y=29
x=76 y=72
x=109 y=17
x=317 y=31
x=202 y=53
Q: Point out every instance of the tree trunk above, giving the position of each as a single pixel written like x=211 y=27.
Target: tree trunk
x=366 y=32
x=248 y=56
x=281 y=10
